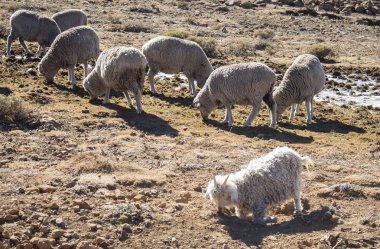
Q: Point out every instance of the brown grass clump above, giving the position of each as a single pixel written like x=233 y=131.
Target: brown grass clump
x=265 y=34
x=88 y=163
x=13 y=109
x=323 y=51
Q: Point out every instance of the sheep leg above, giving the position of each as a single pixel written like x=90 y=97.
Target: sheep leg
x=192 y=87
x=292 y=112
x=106 y=99
x=126 y=95
x=241 y=213
x=151 y=75
x=297 y=109
x=72 y=75
x=297 y=205
x=252 y=116
x=272 y=106
x=311 y=108
x=309 y=111
x=23 y=45
x=260 y=217
x=10 y=39
x=228 y=117
x=85 y=66
x=138 y=101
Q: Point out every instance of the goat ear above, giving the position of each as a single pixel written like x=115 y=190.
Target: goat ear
x=215 y=182
x=225 y=181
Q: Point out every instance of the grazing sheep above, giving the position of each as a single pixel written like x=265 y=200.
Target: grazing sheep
x=303 y=79
x=29 y=26
x=266 y=181
x=243 y=84
x=173 y=55
x=76 y=45
x=70 y=18
x=120 y=68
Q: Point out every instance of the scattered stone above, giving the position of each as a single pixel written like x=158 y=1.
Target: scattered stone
x=57 y=233
x=85 y=111
x=82 y=204
x=198 y=189
x=85 y=245
x=53 y=206
x=363 y=180
x=287 y=208
x=140 y=198
x=184 y=197
x=60 y=222
x=342 y=190
x=31 y=71
x=46 y=189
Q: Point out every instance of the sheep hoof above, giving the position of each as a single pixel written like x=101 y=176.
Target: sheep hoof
x=105 y=102
x=138 y=111
x=265 y=220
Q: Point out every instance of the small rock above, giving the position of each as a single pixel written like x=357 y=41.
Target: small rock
x=140 y=197
x=57 y=233
x=198 y=189
x=31 y=71
x=13 y=211
x=82 y=204
x=162 y=205
x=85 y=111
x=46 y=189
x=60 y=222
x=53 y=206
x=85 y=245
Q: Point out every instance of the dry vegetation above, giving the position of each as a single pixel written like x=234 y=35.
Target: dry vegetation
x=101 y=175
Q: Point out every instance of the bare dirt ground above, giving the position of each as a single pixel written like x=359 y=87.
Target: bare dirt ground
x=91 y=175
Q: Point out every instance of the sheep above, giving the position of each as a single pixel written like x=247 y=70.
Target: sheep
x=266 y=181
x=303 y=79
x=173 y=55
x=119 y=68
x=73 y=46
x=244 y=84
x=29 y=26
x=70 y=18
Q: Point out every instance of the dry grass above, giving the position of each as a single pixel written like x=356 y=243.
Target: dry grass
x=241 y=47
x=177 y=33
x=323 y=51
x=265 y=34
x=13 y=109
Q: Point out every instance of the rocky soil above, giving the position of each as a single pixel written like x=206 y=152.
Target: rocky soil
x=87 y=175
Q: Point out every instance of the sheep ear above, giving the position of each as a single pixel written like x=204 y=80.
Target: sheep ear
x=225 y=181
x=215 y=183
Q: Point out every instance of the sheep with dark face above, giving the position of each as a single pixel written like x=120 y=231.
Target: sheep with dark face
x=29 y=26
x=173 y=55
x=243 y=84
x=77 y=45
x=266 y=181
x=120 y=68
x=303 y=79
x=67 y=19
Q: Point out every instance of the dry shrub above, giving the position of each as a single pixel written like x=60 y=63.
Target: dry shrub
x=265 y=34
x=88 y=163
x=3 y=31
x=242 y=47
x=323 y=51
x=13 y=109
x=177 y=33
x=140 y=9
x=208 y=44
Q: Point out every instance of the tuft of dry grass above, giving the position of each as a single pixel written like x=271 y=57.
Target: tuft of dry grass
x=88 y=163
x=3 y=31
x=13 y=109
x=242 y=47
x=323 y=51
x=265 y=34
x=177 y=33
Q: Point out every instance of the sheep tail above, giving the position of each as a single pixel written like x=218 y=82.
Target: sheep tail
x=306 y=162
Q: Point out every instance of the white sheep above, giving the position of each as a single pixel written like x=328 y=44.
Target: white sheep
x=303 y=79
x=74 y=46
x=173 y=55
x=266 y=181
x=70 y=18
x=120 y=68
x=243 y=84
x=29 y=26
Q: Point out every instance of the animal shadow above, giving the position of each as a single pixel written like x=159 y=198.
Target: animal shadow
x=324 y=125
x=5 y=91
x=263 y=132
x=79 y=91
x=146 y=122
x=252 y=234
x=177 y=100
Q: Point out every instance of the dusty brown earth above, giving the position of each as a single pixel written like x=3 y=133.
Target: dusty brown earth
x=83 y=175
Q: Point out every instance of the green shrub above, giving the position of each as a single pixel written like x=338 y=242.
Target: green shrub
x=322 y=51
x=13 y=109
